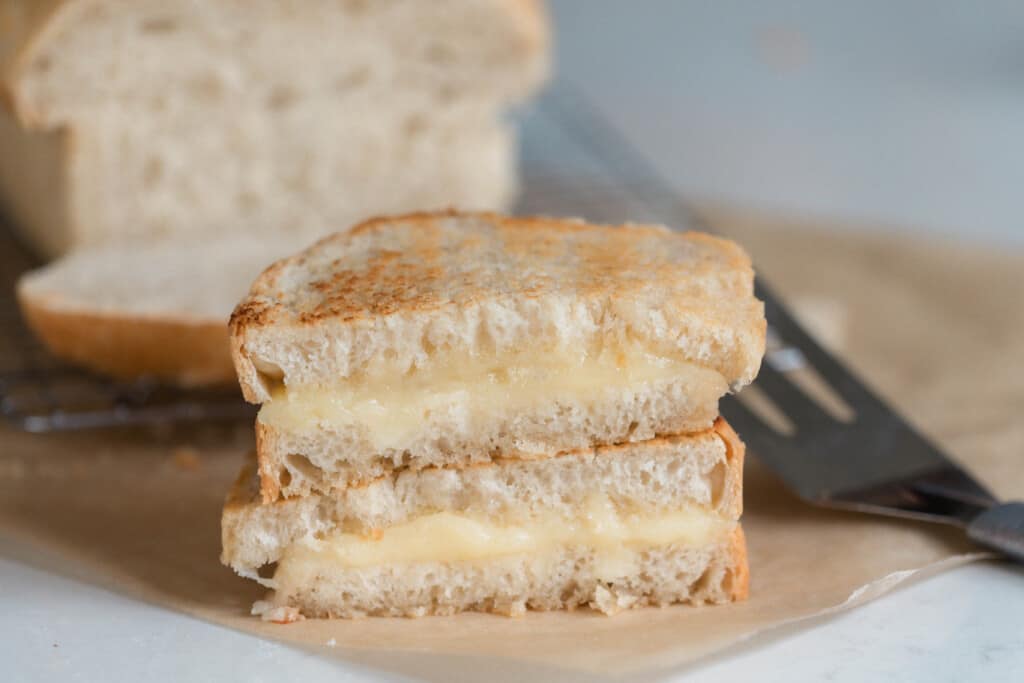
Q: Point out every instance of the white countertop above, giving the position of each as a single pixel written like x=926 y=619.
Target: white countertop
x=909 y=116
x=964 y=625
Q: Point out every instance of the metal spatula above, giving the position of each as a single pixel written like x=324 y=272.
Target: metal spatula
x=867 y=458
x=860 y=456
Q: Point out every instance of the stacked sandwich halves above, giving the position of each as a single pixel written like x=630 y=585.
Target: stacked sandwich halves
x=473 y=412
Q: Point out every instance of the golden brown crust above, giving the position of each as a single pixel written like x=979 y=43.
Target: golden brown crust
x=739 y=576
x=740 y=573
x=432 y=270
x=735 y=454
x=270 y=483
x=421 y=276
x=184 y=353
x=270 y=471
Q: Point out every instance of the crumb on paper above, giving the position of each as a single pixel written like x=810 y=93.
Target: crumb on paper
x=186 y=459
x=611 y=602
x=278 y=614
x=332 y=643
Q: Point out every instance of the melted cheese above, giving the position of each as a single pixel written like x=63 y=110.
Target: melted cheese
x=449 y=537
x=467 y=392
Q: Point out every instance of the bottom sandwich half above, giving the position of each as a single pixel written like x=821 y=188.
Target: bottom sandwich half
x=648 y=523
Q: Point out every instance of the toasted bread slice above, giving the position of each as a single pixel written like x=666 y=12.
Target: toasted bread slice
x=628 y=524
x=703 y=471
x=445 y=339
x=414 y=292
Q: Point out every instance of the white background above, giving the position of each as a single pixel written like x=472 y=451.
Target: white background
x=907 y=114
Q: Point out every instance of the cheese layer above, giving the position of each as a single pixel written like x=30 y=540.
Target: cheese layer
x=471 y=392
x=452 y=537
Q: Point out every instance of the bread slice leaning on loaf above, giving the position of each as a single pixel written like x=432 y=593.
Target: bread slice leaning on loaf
x=446 y=339
x=696 y=477
x=154 y=308
x=155 y=119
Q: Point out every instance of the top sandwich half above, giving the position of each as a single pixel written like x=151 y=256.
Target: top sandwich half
x=494 y=333
x=422 y=292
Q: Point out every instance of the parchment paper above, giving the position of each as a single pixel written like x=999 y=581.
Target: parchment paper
x=939 y=330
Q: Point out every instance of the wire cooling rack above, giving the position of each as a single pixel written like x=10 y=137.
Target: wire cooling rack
x=573 y=162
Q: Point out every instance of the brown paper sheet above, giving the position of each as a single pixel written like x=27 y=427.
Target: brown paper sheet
x=936 y=329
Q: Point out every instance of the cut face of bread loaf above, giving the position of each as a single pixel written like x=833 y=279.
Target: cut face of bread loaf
x=611 y=527
x=170 y=119
x=447 y=339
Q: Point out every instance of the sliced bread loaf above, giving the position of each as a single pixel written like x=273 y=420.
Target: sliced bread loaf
x=152 y=118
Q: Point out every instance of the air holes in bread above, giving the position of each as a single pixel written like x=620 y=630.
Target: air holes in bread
x=428 y=346
x=159 y=25
x=439 y=54
x=248 y=201
x=281 y=97
x=153 y=172
x=702 y=584
x=446 y=93
x=270 y=375
x=414 y=125
x=353 y=79
x=206 y=88
x=302 y=466
x=484 y=341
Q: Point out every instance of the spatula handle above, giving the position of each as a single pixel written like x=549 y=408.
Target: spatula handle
x=1001 y=527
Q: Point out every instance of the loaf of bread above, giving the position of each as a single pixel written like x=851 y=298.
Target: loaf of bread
x=153 y=118
x=147 y=128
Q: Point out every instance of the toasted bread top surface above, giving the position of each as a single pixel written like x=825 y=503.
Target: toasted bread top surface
x=433 y=287
x=426 y=262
